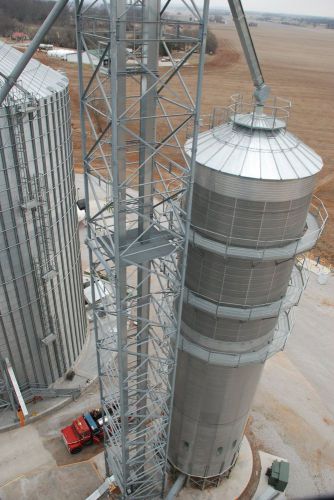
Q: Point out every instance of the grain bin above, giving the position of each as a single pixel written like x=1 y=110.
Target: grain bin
x=252 y=214
x=42 y=316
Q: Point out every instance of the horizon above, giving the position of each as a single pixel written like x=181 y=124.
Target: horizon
x=323 y=8
x=250 y=11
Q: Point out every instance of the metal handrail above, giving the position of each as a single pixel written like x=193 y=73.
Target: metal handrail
x=303 y=272
x=276 y=109
x=316 y=208
x=277 y=343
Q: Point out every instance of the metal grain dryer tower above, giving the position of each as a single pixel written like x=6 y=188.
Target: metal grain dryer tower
x=42 y=317
x=252 y=214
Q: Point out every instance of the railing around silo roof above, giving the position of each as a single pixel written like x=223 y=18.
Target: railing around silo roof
x=260 y=249
x=277 y=343
x=276 y=111
x=247 y=311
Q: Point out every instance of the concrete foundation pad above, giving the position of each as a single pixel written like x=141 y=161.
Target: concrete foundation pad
x=99 y=463
x=263 y=489
x=85 y=370
x=29 y=446
x=242 y=475
x=75 y=481
x=230 y=488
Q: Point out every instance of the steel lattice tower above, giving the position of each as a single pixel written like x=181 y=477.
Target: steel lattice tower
x=135 y=116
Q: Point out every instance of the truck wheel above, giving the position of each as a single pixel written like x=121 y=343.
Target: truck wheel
x=75 y=451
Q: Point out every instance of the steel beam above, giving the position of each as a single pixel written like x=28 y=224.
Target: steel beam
x=150 y=54
x=135 y=118
x=7 y=388
x=16 y=387
x=261 y=89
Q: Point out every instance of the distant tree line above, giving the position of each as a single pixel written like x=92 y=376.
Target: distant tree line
x=211 y=43
x=28 y=15
x=297 y=20
x=62 y=36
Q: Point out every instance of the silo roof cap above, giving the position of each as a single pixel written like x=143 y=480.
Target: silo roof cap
x=255 y=153
x=36 y=81
x=258 y=121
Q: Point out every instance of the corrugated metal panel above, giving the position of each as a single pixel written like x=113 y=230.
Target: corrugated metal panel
x=210 y=412
x=236 y=282
x=224 y=329
x=252 y=191
x=246 y=223
x=216 y=345
x=261 y=154
x=37 y=80
x=42 y=321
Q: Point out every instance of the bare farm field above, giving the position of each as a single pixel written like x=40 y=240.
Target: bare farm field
x=298 y=64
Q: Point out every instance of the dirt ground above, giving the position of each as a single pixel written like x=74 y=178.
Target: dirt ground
x=298 y=64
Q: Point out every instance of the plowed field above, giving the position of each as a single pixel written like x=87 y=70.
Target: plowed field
x=298 y=63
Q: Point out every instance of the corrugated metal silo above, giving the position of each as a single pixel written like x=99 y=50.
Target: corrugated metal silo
x=42 y=316
x=251 y=216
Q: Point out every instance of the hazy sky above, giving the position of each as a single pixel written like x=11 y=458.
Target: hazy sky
x=310 y=7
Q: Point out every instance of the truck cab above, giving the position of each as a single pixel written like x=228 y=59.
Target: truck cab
x=77 y=435
x=96 y=430
x=71 y=440
x=81 y=427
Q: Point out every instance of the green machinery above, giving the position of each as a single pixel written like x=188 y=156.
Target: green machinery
x=278 y=475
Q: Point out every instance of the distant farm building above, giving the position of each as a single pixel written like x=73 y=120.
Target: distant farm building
x=19 y=36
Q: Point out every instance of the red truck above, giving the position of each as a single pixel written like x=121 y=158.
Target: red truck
x=84 y=430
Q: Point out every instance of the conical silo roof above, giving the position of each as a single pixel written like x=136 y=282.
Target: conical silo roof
x=37 y=80
x=257 y=153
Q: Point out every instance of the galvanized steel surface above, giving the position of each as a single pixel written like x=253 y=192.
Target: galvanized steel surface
x=209 y=416
x=225 y=329
x=236 y=282
x=37 y=80
x=42 y=322
x=315 y=222
x=248 y=223
x=252 y=192
x=256 y=190
x=257 y=154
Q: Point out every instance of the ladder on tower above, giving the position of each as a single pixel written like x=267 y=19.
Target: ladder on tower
x=35 y=209
x=45 y=265
x=17 y=120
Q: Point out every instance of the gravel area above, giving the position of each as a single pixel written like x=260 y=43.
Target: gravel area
x=293 y=412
